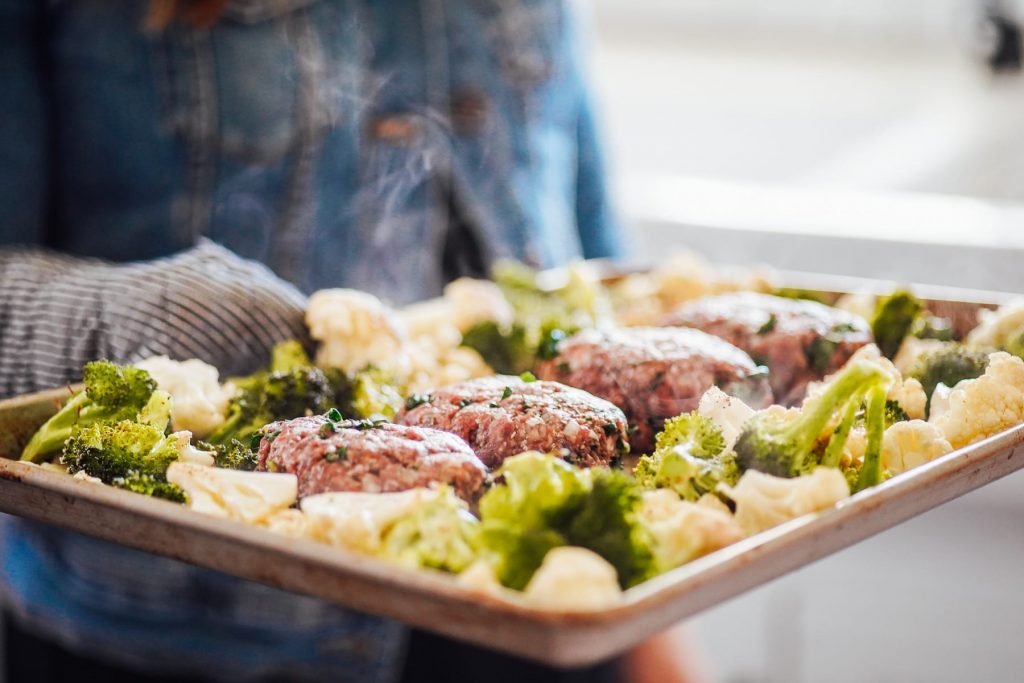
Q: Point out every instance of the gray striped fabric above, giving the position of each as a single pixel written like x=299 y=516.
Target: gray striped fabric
x=58 y=312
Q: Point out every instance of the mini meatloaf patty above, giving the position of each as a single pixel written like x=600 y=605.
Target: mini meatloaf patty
x=654 y=373
x=373 y=457
x=503 y=416
x=800 y=341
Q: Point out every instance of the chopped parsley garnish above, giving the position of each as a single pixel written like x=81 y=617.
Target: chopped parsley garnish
x=505 y=394
x=334 y=415
x=254 y=442
x=465 y=402
x=417 y=400
x=769 y=325
x=337 y=455
x=548 y=347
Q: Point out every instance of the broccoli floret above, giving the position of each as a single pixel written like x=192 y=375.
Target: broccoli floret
x=289 y=355
x=506 y=349
x=606 y=523
x=689 y=458
x=233 y=455
x=894 y=413
x=372 y=393
x=112 y=393
x=114 y=450
x=702 y=436
x=948 y=365
x=268 y=397
x=542 y=502
x=783 y=447
x=932 y=327
x=149 y=485
x=894 y=318
x=440 y=534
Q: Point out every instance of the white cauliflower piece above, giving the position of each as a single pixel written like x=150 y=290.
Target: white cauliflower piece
x=189 y=453
x=572 y=578
x=940 y=401
x=728 y=412
x=479 y=577
x=357 y=520
x=906 y=445
x=199 y=401
x=981 y=407
x=473 y=301
x=684 y=531
x=859 y=303
x=996 y=328
x=356 y=329
x=250 y=497
x=290 y=522
x=763 y=501
x=82 y=475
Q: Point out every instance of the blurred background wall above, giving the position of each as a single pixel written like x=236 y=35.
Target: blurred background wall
x=865 y=137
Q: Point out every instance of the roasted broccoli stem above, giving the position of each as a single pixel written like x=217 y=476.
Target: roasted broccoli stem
x=112 y=393
x=874 y=424
x=782 y=446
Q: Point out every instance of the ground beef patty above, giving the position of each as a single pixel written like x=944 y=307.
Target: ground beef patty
x=800 y=341
x=502 y=416
x=374 y=457
x=654 y=373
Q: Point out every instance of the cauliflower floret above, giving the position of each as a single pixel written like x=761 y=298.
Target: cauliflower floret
x=728 y=412
x=189 y=453
x=859 y=303
x=473 y=301
x=763 y=501
x=998 y=327
x=250 y=497
x=479 y=577
x=356 y=329
x=290 y=522
x=684 y=531
x=199 y=401
x=981 y=407
x=357 y=520
x=572 y=578
x=906 y=445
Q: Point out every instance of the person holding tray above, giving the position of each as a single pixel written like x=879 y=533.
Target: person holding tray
x=177 y=175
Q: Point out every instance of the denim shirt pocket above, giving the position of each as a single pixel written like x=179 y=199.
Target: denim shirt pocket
x=251 y=99
x=244 y=89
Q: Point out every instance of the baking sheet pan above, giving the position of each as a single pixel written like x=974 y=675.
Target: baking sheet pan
x=434 y=601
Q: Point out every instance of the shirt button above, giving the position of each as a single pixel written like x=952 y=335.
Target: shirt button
x=470 y=111
x=397 y=129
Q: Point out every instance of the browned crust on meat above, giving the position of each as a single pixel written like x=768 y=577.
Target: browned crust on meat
x=370 y=457
x=653 y=373
x=502 y=416
x=800 y=341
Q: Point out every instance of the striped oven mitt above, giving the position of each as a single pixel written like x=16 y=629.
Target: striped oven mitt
x=58 y=312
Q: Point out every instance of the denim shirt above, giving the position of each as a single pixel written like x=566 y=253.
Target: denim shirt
x=338 y=141
x=349 y=143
